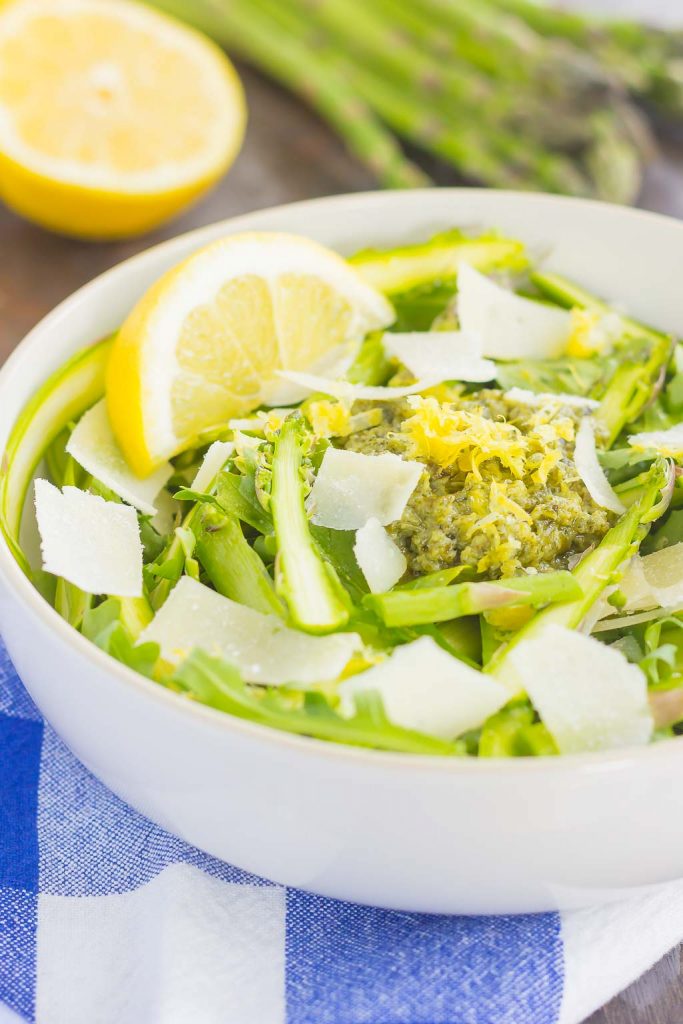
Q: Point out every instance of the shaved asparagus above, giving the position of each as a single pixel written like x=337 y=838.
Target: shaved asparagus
x=440 y=604
x=306 y=582
x=231 y=564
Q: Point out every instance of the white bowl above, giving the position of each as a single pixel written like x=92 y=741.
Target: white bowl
x=414 y=833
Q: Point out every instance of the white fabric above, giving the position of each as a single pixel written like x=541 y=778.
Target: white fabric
x=183 y=949
x=607 y=948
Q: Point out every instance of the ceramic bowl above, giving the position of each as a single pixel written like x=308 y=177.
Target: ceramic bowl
x=413 y=833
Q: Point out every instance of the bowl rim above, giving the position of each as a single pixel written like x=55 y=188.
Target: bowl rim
x=20 y=588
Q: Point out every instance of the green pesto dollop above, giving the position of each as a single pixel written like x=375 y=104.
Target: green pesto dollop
x=500 y=492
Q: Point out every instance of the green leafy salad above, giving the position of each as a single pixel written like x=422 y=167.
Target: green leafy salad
x=463 y=536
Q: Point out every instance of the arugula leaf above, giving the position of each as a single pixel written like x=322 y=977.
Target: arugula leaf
x=417 y=309
x=371 y=366
x=71 y=602
x=103 y=626
x=217 y=683
x=337 y=549
x=569 y=376
x=514 y=732
x=663 y=536
x=237 y=495
x=663 y=645
x=152 y=542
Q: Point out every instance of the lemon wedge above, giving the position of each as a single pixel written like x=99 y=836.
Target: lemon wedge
x=112 y=117
x=204 y=344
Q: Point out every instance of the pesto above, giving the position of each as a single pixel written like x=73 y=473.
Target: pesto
x=500 y=492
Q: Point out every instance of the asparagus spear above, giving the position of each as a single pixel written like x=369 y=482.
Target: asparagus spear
x=646 y=58
x=635 y=379
x=408 y=266
x=240 y=27
x=357 y=95
x=426 y=605
x=230 y=562
x=598 y=569
x=434 y=107
x=308 y=584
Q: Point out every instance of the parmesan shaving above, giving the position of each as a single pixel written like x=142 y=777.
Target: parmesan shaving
x=667 y=442
x=651 y=583
x=541 y=398
x=446 y=355
x=506 y=325
x=381 y=561
x=591 y=472
x=352 y=488
x=260 y=646
x=346 y=391
x=93 y=543
x=288 y=391
x=216 y=456
x=93 y=445
x=587 y=694
x=426 y=689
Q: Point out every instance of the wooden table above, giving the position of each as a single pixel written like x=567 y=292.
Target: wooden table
x=288 y=155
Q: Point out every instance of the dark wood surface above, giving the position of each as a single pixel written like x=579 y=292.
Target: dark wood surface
x=288 y=155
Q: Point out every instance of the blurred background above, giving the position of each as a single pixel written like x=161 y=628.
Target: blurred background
x=583 y=97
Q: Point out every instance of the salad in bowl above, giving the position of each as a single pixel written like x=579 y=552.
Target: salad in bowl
x=425 y=499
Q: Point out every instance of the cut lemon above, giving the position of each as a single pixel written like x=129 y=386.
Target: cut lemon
x=112 y=117
x=206 y=341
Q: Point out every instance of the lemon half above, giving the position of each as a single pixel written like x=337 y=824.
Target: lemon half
x=112 y=117
x=204 y=344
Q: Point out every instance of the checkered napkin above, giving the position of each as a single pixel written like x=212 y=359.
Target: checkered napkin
x=107 y=919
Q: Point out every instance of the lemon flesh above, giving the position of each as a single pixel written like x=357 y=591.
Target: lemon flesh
x=112 y=117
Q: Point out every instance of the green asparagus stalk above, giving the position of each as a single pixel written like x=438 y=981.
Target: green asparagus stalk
x=238 y=25
x=400 y=88
x=634 y=380
x=598 y=569
x=308 y=584
x=408 y=266
x=503 y=159
x=441 y=604
x=645 y=58
x=230 y=562
x=568 y=294
x=437 y=109
x=509 y=48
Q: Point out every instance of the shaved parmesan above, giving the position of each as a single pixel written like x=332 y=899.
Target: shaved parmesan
x=93 y=543
x=381 y=560
x=653 y=581
x=426 y=689
x=351 y=488
x=445 y=355
x=93 y=445
x=668 y=442
x=591 y=472
x=587 y=694
x=663 y=572
x=335 y=363
x=626 y=621
x=261 y=646
x=168 y=508
x=506 y=325
x=540 y=398
x=635 y=587
x=346 y=391
x=216 y=456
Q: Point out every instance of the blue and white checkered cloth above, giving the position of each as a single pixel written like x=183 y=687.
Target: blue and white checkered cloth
x=107 y=919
